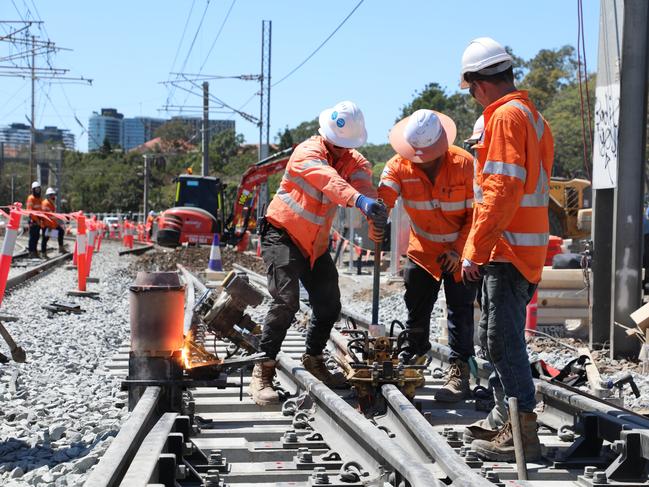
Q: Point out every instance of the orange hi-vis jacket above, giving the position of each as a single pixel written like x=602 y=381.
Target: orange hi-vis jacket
x=47 y=205
x=512 y=173
x=441 y=213
x=34 y=203
x=312 y=188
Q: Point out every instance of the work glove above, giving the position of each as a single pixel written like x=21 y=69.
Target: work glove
x=449 y=261
x=470 y=272
x=374 y=210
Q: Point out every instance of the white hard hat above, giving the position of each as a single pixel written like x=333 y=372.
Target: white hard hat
x=36 y=184
x=478 y=128
x=343 y=125
x=482 y=55
x=423 y=136
x=50 y=191
x=152 y=213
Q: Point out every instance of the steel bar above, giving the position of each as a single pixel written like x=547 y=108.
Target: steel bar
x=376 y=283
x=113 y=464
x=363 y=438
x=430 y=441
x=137 y=250
x=517 y=435
x=143 y=468
x=25 y=276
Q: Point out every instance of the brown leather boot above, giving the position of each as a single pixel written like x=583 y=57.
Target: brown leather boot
x=501 y=447
x=456 y=387
x=261 y=385
x=315 y=365
x=480 y=430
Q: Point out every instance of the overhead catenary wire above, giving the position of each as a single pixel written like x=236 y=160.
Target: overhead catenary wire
x=218 y=34
x=180 y=43
x=320 y=46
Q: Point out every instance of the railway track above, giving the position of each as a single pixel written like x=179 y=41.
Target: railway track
x=317 y=437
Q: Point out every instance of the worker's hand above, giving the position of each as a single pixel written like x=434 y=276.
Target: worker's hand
x=373 y=209
x=470 y=271
x=449 y=261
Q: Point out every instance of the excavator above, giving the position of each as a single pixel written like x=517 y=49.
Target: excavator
x=199 y=206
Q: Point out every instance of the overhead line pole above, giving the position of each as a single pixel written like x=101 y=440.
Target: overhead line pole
x=264 y=109
x=32 y=138
x=206 y=124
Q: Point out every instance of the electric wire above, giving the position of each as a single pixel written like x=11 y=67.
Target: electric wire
x=320 y=46
x=171 y=91
x=218 y=34
x=191 y=46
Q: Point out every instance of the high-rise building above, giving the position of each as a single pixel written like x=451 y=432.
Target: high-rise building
x=136 y=131
x=106 y=125
x=19 y=135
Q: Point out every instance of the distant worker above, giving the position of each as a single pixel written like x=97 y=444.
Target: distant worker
x=149 y=223
x=435 y=181
x=53 y=226
x=35 y=203
x=508 y=241
x=323 y=172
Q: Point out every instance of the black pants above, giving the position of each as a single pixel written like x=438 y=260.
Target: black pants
x=421 y=295
x=45 y=238
x=286 y=268
x=34 y=233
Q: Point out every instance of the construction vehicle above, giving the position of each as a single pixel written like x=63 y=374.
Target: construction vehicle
x=569 y=208
x=198 y=211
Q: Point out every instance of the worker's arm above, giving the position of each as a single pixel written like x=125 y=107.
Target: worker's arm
x=361 y=176
x=389 y=186
x=315 y=171
x=30 y=203
x=502 y=185
x=458 y=245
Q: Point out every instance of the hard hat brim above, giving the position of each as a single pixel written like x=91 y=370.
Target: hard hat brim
x=330 y=135
x=420 y=155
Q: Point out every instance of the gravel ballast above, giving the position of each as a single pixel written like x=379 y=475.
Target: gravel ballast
x=61 y=409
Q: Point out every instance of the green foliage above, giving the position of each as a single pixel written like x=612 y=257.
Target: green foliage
x=285 y=139
x=298 y=134
x=175 y=132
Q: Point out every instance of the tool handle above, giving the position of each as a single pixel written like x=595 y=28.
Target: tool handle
x=7 y=337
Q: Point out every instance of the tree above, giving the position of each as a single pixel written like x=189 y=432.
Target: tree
x=285 y=139
x=548 y=73
x=305 y=130
x=106 y=147
x=224 y=146
x=175 y=131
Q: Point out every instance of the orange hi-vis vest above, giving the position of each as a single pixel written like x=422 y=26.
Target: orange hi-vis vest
x=312 y=188
x=52 y=222
x=34 y=203
x=441 y=213
x=512 y=173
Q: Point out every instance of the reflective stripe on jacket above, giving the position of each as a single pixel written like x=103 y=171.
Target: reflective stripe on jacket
x=312 y=188
x=512 y=172
x=440 y=214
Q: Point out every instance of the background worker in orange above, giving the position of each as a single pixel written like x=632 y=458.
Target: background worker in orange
x=323 y=172
x=435 y=181
x=509 y=236
x=53 y=225
x=35 y=203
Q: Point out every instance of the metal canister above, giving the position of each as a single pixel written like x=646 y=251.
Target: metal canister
x=157 y=301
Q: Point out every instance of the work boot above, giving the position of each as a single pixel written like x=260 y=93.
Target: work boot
x=456 y=386
x=480 y=430
x=261 y=384
x=44 y=255
x=409 y=358
x=62 y=249
x=315 y=364
x=501 y=447
x=33 y=254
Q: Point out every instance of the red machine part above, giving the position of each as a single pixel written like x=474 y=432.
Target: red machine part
x=248 y=190
x=185 y=224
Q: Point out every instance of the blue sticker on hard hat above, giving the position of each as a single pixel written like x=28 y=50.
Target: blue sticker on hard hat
x=334 y=115
x=340 y=122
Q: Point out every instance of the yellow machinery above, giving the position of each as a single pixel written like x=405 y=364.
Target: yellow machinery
x=568 y=216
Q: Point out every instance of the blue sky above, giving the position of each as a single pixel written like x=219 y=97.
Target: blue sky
x=385 y=52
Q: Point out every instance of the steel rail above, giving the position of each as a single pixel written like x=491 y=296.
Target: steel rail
x=406 y=416
x=144 y=467
x=364 y=439
x=35 y=271
x=115 y=462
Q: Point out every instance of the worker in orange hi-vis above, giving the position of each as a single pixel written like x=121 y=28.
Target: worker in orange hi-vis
x=435 y=181
x=508 y=240
x=53 y=226
x=34 y=202
x=324 y=172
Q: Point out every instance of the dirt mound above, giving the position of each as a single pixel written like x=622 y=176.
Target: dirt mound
x=195 y=259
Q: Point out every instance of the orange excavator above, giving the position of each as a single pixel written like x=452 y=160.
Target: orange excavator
x=198 y=208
